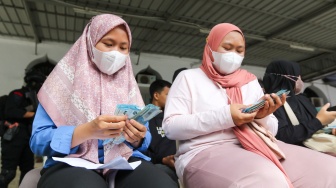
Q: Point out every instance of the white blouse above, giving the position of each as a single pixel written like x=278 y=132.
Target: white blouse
x=198 y=115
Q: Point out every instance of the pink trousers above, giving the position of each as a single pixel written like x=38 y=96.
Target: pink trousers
x=229 y=165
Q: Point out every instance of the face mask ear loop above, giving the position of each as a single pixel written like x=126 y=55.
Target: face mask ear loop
x=288 y=77
x=209 y=48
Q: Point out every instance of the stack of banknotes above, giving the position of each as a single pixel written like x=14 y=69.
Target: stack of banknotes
x=141 y=115
x=328 y=129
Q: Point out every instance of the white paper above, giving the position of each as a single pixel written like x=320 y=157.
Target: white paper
x=119 y=163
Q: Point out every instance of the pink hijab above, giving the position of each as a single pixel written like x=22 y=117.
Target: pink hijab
x=76 y=91
x=232 y=83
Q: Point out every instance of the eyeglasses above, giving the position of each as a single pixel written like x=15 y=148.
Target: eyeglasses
x=291 y=77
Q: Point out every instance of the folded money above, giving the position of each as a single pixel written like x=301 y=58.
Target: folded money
x=328 y=129
x=141 y=115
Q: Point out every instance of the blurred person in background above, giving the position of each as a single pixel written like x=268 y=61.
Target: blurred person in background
x=282 y=74
x=19 y=112
x=161 y=149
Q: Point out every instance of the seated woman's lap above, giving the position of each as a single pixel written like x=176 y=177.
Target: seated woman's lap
x=145 y=175
x=63 y=175
x=308 y=168
x=229 y=165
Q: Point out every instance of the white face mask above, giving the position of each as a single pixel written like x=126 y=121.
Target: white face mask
x=108 y=62
x=226 y=63
x=299 y=86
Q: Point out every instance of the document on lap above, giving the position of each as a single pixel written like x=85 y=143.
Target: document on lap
x=141 y=115
x=119 y=163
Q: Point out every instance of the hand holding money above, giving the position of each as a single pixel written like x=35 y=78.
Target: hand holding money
x=141 y=116
x=330 y=129
x=107 y=126
x=103 y=127
x=134 y=132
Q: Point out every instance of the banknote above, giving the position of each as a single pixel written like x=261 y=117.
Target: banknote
x=141 y=115
x=328 y=129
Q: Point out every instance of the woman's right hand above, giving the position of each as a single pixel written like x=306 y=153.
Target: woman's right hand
x=107 y=126
x=240 y=118
x=169 y=161
x=103 y=127
x=324 y=116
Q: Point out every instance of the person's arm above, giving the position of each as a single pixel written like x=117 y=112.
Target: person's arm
x=143 y=143
x=169 y=161
x=49 y=140
x=29 y=115
x=180 y=123
x=141 y=149
x=62 y=138
x=295 y=134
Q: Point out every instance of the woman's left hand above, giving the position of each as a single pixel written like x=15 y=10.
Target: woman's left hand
x=272 y=102
x=134 y=132
x=333 y=132
x=169 y=161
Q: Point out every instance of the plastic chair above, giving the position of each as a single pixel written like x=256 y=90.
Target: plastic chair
x=31 y=179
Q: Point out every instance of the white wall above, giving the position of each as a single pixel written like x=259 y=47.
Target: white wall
x=17 y=54
x=329 y=92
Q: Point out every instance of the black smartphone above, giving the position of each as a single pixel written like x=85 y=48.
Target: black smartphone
x=333 y=108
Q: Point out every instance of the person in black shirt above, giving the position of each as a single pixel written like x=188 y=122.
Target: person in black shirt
x=161 y=149
x=283 y=74
x=20 y=109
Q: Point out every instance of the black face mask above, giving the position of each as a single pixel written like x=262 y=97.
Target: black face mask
x=34 y=86
x=31 y=95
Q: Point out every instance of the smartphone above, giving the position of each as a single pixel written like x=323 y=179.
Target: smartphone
x=261 y=103
x=333 y=108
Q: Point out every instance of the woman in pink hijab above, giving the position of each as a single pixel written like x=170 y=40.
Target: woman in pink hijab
x=219 y=145
x=76 y=113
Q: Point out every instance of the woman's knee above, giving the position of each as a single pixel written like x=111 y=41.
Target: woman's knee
x=145 y=175
x=257 y=178
x=67 y=176
x=262 y=178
